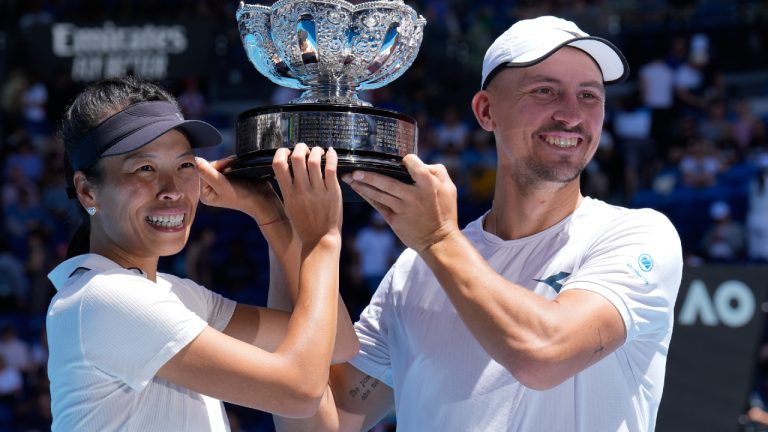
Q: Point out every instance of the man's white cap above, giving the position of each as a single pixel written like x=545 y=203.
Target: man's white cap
x=531 y=41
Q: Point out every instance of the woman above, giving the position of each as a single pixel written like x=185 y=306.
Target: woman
x=135 y=349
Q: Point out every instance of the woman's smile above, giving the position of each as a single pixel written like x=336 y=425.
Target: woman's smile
x=167 y=221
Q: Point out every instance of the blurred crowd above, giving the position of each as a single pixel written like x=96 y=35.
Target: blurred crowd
x=685 y=135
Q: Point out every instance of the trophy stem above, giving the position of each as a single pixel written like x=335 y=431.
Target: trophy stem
x=330 y=93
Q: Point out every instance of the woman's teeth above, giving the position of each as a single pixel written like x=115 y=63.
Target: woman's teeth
x=166 y=221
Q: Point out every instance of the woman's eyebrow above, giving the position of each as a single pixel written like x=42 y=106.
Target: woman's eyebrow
x=153 y=155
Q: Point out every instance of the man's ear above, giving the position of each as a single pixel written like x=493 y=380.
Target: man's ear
x=85 y=190
x=481 y=107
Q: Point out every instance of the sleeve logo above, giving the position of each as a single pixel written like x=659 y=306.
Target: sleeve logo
x=645 y=262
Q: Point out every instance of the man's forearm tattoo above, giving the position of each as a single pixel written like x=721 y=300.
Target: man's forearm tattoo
x=364 y=387
x=600 y=347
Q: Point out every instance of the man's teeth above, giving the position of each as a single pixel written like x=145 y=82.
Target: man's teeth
x=562 y=142
x=166 y=221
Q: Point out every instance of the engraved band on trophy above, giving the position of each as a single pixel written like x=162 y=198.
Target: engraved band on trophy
x=330 y=49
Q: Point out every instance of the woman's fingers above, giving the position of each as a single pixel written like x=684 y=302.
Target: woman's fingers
x=331 y=166
x=282 y=169
x=213 y=183
x=207 y=171
x=299 y=166
x=314 y=163
x=306 y=167
x=220 y=164
x=312 y=202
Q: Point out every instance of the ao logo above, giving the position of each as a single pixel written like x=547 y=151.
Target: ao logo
x=733 y=304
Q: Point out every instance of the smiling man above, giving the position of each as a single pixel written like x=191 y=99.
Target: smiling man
x=553 y=311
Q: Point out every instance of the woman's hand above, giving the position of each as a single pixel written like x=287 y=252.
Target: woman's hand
x=312 y=197
x=253 y=197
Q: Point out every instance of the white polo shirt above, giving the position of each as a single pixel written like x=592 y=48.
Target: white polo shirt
x=412 y=339
x=109 y=331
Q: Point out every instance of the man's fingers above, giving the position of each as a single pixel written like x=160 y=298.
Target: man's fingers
x=375 y=195
x=381 y=208
x=421 y=172
x=380 y=181
x=416 y=168
x=439 y=171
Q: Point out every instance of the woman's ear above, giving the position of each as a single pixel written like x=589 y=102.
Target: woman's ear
x=85 y=190
x=481 y=107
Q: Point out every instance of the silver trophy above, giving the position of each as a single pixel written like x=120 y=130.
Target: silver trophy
x=330 y=49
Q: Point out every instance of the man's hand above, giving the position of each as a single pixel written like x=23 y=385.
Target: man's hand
x=421 y=214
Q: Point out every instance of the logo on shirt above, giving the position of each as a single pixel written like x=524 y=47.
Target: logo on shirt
x=645 y=262
x=554 y=280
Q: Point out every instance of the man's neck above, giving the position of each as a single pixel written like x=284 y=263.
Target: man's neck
x=521 y=213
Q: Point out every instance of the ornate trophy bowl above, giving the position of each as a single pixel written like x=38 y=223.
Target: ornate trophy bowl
x=330 y=49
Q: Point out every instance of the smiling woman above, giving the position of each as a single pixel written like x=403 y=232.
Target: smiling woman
x=125 y=339
x=148 y=205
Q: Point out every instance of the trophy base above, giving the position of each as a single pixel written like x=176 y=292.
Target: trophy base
x=365 y=138
x=259 y=165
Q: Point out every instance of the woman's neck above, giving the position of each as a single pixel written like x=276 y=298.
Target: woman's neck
x=146 y=265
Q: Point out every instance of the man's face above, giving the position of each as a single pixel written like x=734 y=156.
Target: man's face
x=548 y=117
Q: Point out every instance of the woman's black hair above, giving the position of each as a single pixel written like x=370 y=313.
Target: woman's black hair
x=92 y=106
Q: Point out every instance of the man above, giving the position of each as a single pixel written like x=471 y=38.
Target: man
x=553 y=312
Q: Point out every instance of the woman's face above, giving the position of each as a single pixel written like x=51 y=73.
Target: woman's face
x=147 y=201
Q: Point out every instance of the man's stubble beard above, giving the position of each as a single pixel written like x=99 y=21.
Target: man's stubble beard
x=535 y=173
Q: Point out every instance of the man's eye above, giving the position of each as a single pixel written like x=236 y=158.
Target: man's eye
x=544 y=91
x=188 y=165
x=147 y=168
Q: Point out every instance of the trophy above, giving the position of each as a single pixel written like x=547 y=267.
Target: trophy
x=330 y=49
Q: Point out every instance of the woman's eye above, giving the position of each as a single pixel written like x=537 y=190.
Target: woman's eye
x=188 y=165
x=146 y=168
